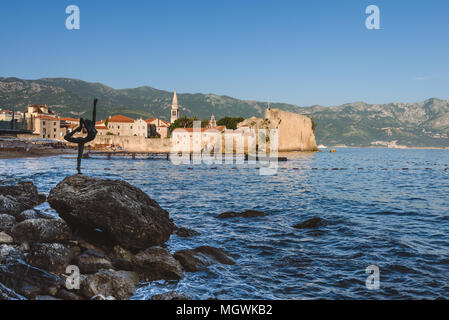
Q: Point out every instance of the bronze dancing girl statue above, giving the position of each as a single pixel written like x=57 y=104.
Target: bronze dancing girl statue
x=91 y=134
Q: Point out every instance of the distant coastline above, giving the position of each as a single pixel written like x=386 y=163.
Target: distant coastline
x=40 y=153
x=383 y=147
x=36 y=153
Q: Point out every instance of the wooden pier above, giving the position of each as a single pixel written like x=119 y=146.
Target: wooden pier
x=166 y=155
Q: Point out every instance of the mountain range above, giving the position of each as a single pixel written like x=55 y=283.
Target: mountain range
x=420 y=124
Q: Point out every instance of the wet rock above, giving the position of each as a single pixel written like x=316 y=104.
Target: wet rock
x=93 y=260
x=125 y=214
x=46 y=298
x=172 y=295
x=156 y=264
x=27 y=215
x=84 y=245
x=8 y=294
x=74 y=247
x=185 y=233
x=5 y=238
x=244 y=214
x=41 y=230
x=32 y=214
x=311 y=223
x=53 y=257
x=16 y=199
x=122 y=259
x=28 y=280
x=101 y=297
x=24 y=247
x=67 y=295
x=7 y=222
x=119 y=284
x=9 y=253
x=194 y=259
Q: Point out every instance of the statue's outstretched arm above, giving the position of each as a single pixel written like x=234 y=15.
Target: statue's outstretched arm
x=69 y=136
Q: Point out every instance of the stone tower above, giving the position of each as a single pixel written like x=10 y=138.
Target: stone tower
x=212 y=122
x=174 y=109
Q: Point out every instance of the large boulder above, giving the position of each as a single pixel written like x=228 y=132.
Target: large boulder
x=16 y=199
x=156 y=264
x=123 y=214
x=53 y=257
x=119 y=284
x=41 y=230
x=195 y=259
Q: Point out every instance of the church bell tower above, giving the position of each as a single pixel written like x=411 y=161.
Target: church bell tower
x=174 y=109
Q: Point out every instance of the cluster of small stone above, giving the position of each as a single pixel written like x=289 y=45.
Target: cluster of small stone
x=111 y=231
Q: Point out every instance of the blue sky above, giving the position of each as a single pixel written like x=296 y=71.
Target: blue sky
x=300 y=52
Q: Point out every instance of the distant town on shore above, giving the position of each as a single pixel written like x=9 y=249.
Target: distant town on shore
x=357 y=124
x=294 y=132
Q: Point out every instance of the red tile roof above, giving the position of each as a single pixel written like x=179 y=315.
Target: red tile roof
x=165 y=123
x=70 y=119
x=47 y=118
x=214 y=129
x=121 y=119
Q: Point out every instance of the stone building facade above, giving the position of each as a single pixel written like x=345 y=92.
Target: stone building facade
x=48 y=127
x=157 y=128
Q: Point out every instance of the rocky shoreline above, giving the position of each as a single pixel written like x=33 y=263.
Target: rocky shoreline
x=109 y=237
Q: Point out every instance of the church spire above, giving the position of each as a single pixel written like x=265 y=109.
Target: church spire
x=175 y=99
x=174 y=115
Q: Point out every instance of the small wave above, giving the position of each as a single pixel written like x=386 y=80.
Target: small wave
x=416 y=199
